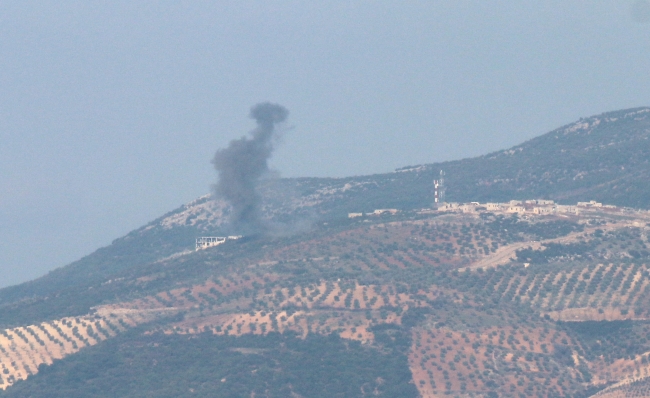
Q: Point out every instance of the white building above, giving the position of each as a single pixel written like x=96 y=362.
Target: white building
x=379 y=212
x=591 y=203
x=468 y=208
x=448 y=206
x=543 y=210
x=516 y=209
x=567 y=209
x=209 y=241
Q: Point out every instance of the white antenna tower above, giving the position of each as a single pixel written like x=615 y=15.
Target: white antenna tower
x=439 y=189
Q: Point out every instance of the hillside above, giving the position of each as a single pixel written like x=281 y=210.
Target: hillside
x=604 y=158
x=509 y=299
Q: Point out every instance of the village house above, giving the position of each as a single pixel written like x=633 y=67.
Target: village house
x=567 y=209
x=516 y=209
x=543 y=210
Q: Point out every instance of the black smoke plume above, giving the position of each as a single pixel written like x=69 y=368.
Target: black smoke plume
x=241 y=165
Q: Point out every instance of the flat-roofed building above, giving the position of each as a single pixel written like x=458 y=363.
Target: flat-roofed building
x=543 y=210
x=516 y=209
x=209 y=241
x=567 y=209
x=468 y=208
x=379 y=212
x=448 y=206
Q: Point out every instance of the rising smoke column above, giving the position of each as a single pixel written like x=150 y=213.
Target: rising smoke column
x=242 y=164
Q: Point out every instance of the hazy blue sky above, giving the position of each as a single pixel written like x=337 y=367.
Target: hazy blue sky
x=111 y=111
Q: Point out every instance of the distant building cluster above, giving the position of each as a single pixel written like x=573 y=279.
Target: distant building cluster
x=377 y=212
x=533 y=206
x=209 y=241
x=523 y=207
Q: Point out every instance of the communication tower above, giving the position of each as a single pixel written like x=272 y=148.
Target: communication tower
x=439 y=188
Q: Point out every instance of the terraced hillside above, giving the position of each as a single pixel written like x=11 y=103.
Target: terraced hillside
x=519 y=300
x=24 y=349
x=626 y=389
x=603 y=157
x=532 y=325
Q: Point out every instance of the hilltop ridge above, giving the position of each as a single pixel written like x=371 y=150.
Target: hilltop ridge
x=500 y=297
x=604 y=157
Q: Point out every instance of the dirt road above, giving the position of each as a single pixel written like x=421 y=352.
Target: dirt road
x=504 y=254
